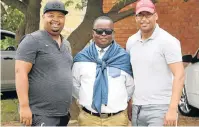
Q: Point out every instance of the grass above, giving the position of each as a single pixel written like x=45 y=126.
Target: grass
x=9 y=110
x=10 y=116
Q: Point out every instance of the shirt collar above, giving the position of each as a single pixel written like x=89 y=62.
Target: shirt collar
x=154 y=34
x=99 y=49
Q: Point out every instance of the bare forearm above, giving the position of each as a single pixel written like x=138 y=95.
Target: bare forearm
x=22 y=87
x=178 y=84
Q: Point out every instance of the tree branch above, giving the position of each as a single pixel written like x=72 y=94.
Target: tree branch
x=25 y=2
x=121 y=4
x=3 y=11
x=118 y=16
x=17 y=4
x=94 y=5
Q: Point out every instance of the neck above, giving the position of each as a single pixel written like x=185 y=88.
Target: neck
x=104 y=46
x=54 y=36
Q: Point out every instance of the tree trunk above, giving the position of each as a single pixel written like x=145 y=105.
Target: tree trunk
x=81 y=36
x=20 y=32
x=32 y=19
x=32 y=16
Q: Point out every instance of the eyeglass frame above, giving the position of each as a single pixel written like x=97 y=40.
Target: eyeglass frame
x=103 y=31
x=146 y=16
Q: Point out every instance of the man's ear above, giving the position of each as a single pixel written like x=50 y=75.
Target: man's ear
x=93 y=32
x=156 y=16
x=43 y=16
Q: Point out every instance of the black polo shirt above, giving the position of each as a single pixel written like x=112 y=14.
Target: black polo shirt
x=50 y=79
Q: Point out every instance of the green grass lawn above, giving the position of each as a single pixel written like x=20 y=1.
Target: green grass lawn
x=9 y=111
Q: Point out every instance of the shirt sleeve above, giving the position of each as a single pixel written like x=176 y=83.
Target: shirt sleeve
x=27 y=49
x=128 y=46
x=76 y=80
x=172 y=51
x=130 y=86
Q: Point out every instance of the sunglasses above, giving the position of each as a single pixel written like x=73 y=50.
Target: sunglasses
x=101 y=31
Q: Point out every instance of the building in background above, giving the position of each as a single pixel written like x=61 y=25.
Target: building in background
x=179 y=18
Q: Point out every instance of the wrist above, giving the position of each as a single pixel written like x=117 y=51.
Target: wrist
x=173 y=109
x=24 y=105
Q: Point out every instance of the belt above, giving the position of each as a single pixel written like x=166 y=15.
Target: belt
x=101 y=115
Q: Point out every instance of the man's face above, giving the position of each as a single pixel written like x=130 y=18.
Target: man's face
x=54 y=22
x=146 y=21
x=103 y=33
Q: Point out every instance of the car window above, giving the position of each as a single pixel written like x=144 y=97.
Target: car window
x=8 y=43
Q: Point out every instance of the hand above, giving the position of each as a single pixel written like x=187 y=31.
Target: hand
x=171 y=118
x=25 y=115
x=129 y=110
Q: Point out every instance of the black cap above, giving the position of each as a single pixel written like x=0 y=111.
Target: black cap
x=55 y=5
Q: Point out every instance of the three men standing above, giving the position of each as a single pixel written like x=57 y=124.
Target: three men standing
x=102 y=73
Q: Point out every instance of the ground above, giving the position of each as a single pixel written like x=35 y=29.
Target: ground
x=183 y=121
x=10 y=117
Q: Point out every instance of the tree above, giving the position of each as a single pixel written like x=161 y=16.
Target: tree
x=31 y=11
x=10 y=20
x=78 y=38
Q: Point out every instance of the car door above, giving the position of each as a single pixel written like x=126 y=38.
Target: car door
x=7 y=63
x=192 y=81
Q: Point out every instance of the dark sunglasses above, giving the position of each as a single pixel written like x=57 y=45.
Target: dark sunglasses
x=101 y=31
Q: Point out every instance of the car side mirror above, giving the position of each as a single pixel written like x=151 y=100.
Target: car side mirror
x=187 y=58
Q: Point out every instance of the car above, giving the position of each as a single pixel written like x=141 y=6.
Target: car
x=7 y=61
x=189 y=102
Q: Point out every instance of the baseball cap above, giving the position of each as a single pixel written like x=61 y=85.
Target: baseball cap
x=145 y=5
x=55 y=5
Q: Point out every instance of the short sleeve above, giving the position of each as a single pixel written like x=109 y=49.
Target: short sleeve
x=27 y=49
x=172 y=51
x=128 y=45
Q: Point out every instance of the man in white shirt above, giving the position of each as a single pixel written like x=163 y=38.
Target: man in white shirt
x=102 y=79
x=158 y=70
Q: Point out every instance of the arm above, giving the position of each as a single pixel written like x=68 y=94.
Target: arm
x=172 y=52
x=76 y=80
x=129 y=86
x=130 y=90
x=178 y=81
x=21 y=73
x=25 y=58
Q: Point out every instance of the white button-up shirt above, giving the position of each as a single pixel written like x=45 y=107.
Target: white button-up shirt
x=120 y=88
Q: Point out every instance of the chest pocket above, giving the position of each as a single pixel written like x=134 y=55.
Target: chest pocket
x=114 y=72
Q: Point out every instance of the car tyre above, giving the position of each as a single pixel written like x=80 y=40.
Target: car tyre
x=184 y=107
